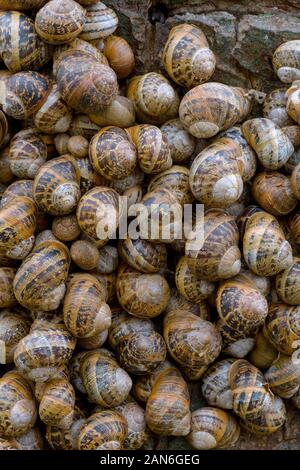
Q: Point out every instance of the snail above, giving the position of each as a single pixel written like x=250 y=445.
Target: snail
x=93 y=342
x=274 y=108
x=18 y=410
x=135 y=418
x=17 y=53
x=168 y=405
x=27 y=153
x=286 y=61
x=105 y=382
x=143 y=255
x=101 y=21
x=189 y=286
x=82 y=125
x=176 y=180
x=212 y=428
x=39 y=363
x=295 y=181
x=187 y=57
x=57 y=22
x=215 y=384
x=31 y=440
x=273 y=192
x=134 y=179
x=192 y=342
x=57 y=403
x=216 y=174
x=13 y=327
x=66 y=439
x=61 y=143
x=265 y=249
x=23 y=93
x=293 y=222
x=54 y=115
x=105 y=430
x=271 y=144
x=84 y=309
x=293 y=133
x=283 y=376
x=263 y=353
x=88 y=176
x=154 y=98
x=143 y=385
x=84 y=254
x=282 y=327
x=212 y=107
x=112 y=154
x=84 y=83
x=120 y=55
x=142 y=295
x=269 y=421
x=152 y=149
x=56 y=186
x=119 y=113
x=108 y=259
x=7 y=296
x=177 y=302
x=65 y=227
x=39 y=283
x=211 y=260
x=6 y=175
x=247 y=156
x=293 y=103
x=287 y=284
x=78 y=146
x=181 y=144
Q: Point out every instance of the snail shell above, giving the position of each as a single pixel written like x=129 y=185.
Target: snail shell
x=120 y=55
x=155 y=100
x=287 y=284
x=294 y=226
x=13 y=327
x=85 y=83
x=27 y=153
x=212 y=428
x=59 y=22
x=88 y=176
x=39 y=283
x=175 y=180
x=142 y=295
x=135 y=418
x=181 y=143
x=7 y=296
x=108 y=259
x=84 y=310
x=78 y=146
x=293 y=133
x=101 y=21
x=93 y=342
x=263 y=353
x=274 y=108
x=56 y=186
x=119 y=113
x=18 y=219
x=286 y=61
x=269 y=421
x=270 y=143
x=31 y=440
x=295 y=181
x=66 y=439
x=212 y=107
x=142 y=255
x=189 y=286
x=104 y=381
x=177 y=302
x=82 y=125
x=84 y=254
x=53 y=116
x=293 y=101
x=6 y=175
x=57 y=403
x=215 y=385
x=187 y=57
x=282 y=327
x=273 y=192
x=105 y=430
x=65 y=228
x=284 y=376
x=112 y=154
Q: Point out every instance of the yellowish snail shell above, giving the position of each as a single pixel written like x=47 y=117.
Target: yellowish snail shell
x=188 y=284
x=78 y=146
x=293 y=133
x=274 y=108
x=269 y=421
x=108 y=259
x=120 y=55
x=273 y=192
x=82 y=125
x=7 y=296
x=286 y=61
x=13 y=327
x=57 y=404
x=135 y=418
x=101 y=21
x=263 y=354
x=181 y=143
x=54 y=115
x=187 y=57
x=84 y=254
x=215 y=385
x=287 y=284
x=105 y=430
x=293 y=101
x=66 y=439
x=283 y=376
x=119 y=113
x=27 y=153
x=143 y=255
x=282 y=327
x=175 y=180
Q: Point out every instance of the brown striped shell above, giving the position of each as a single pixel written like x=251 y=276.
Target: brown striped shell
x=282 y=327
x=57 y=403
x=108 y=259
x=168 y=406
x=216 y=174
x=269 y=421
x=177 y=302
x=212 y=428
x=105 y=430
x=101 y=21
x=27 y=153
x=88 y=176
x=53 y=116
x=142 y=295
x=120 y=113
x=13 y=327
x=120 y=55
x=295 y=181
x=66 y=439
x=188 y=284
x=143 y=384
x=154 y=98
x=212 y=107
x=98 y=212
x=219 y=256
x=82 y=125
x=215 y=385
x=176 y=180
x=272 y=191
x=112 y=154
x=17 y=188
x=192 y=342
x=287 y=284
x=41 y=353
x=249 y=388
x=181 y=143
x=135 y=418
x=7 y=297
x=17 y=407
x=265 y=249
x=18 y=218
x=294 y=226
x=6 y=175
x=123 y=324
x=263 y=353
x=39 y=283
x=284 y=375
x=56 y=186
x=293 y=101
x=105 y=382
x=274 y=108
x=59 y=22
x=142 y=255
x=4 y=139
x=152 y=149
x=271 y=144
x=20 y=46
x=286 y=61
x=84 y=310
x=23 y=93
x=293 y=133
x=85 y=83
x=93 y=342
x=136 y=178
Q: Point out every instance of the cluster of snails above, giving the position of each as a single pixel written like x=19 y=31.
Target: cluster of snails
x=101 y=335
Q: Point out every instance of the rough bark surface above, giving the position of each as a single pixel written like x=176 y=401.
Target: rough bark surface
x=243 y=34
